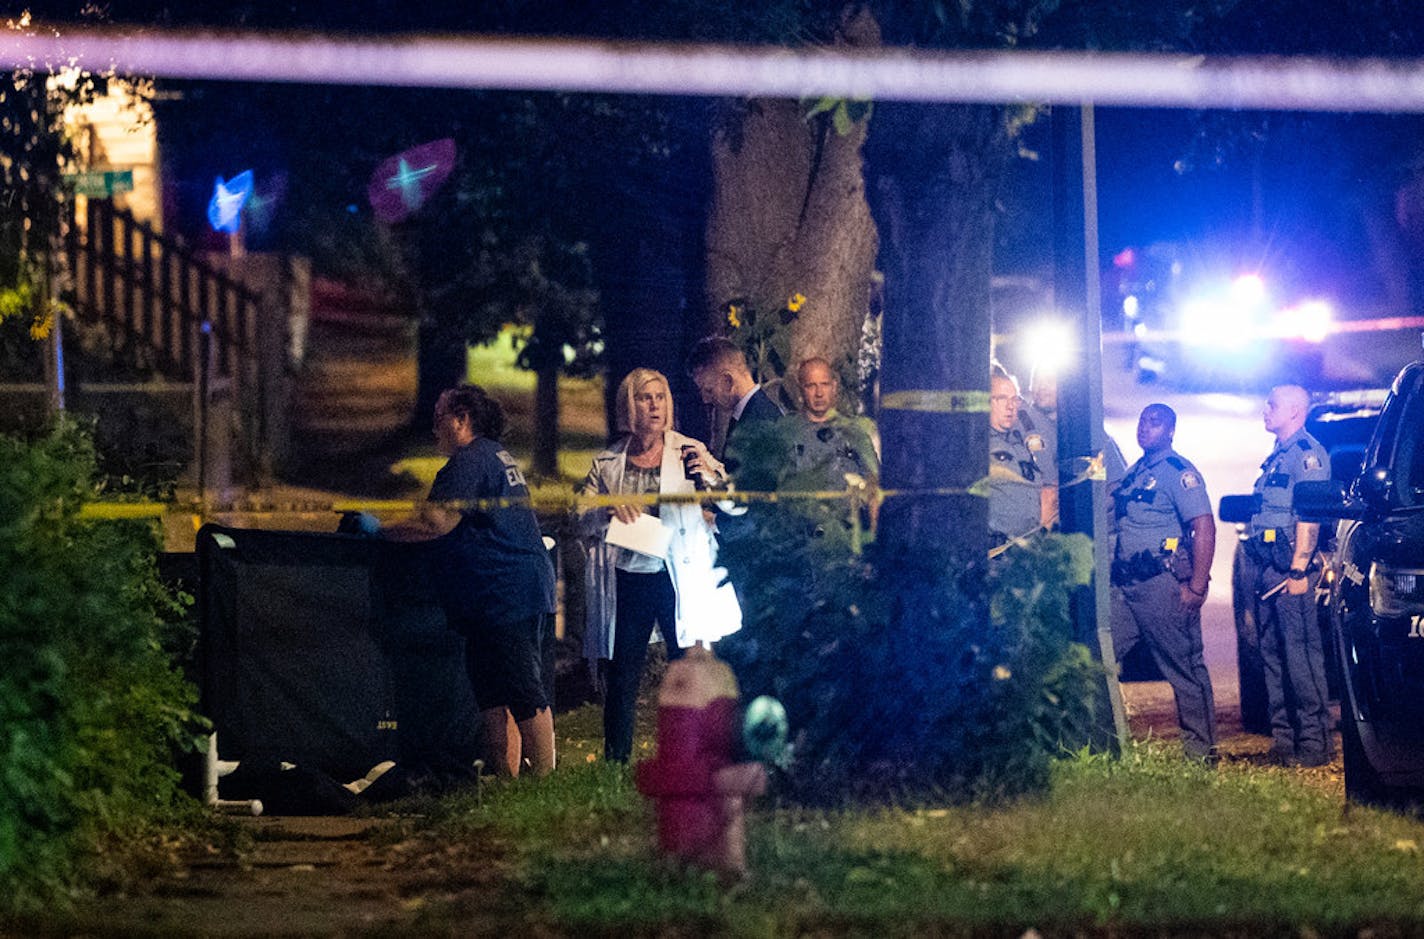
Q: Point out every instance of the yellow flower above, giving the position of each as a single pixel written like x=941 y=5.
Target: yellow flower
x=733 y=317
x=796 y=302
x=41 y=327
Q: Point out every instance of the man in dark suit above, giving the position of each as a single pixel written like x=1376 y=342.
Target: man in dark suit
x=719 y=370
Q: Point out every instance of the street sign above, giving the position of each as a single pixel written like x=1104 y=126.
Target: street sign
x=100 y=184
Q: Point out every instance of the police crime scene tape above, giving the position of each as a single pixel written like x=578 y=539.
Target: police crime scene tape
x=546 y=501
x=858 y=490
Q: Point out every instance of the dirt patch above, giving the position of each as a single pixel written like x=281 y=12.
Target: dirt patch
x=1152 y=714
x=297 y=876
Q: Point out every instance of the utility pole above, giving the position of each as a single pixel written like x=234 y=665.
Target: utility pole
x=1081 y=437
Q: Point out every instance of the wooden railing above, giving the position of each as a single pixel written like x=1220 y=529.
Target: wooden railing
x=170 y=311
x=160 y=297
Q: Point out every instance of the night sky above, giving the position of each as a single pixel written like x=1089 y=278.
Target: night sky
x=1187 y=177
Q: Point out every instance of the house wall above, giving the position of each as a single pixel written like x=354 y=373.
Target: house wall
x=117 y=132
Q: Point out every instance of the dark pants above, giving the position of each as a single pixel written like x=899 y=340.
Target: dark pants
x=642 y=600
x=1293 y=659
x=1152 y=611
x=504 y=664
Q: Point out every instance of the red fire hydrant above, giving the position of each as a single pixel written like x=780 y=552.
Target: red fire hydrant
x=700 y=793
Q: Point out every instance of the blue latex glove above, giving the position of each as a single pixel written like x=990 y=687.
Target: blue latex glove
x=359 y=523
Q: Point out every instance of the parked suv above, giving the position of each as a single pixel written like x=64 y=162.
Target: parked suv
x=1343 y=422
x=1376 y=600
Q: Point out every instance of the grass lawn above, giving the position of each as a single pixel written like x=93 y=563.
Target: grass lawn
x=1141 y=845
x=1144 y=845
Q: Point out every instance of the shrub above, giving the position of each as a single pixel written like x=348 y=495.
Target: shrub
x=903 y=679
x=91 y=710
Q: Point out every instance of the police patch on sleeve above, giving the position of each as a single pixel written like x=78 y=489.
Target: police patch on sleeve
x=1035 y=442
x=1311 y=461
x=1190 y=480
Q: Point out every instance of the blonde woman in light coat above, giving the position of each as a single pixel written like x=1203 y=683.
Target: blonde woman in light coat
x=681 y=590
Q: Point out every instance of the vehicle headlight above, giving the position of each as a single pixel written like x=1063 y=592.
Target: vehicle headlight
x=1396 y=591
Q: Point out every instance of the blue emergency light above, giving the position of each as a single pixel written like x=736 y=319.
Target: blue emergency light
x=225 y=207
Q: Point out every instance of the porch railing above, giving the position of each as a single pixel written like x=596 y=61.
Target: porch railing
x=172 y=311
x=159 y=296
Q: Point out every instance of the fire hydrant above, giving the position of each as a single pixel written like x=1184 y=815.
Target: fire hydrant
x=699 y=791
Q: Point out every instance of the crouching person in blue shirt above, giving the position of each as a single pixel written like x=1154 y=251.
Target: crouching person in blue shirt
x=493 y=577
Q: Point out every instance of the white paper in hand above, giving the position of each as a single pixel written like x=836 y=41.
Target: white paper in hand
x=645 y=534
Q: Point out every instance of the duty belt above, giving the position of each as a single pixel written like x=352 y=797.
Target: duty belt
x=1271 y=548
x=1142 y=566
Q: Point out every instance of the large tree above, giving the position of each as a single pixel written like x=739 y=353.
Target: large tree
x=789 y=216
x=935 y=172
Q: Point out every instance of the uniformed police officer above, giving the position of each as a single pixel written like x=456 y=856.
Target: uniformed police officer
x=1280 y=553
x=825 y=444
x=823 y=447
x=1038 y=419
x=1019 y=499
x=1161 y=569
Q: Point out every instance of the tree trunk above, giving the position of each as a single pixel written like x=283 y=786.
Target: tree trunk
x=789 y=216
x=441 y=365
x=649 y=261
x=935 y=173
x=546 y=420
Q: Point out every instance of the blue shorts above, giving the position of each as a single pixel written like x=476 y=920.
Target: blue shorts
x=505 y=663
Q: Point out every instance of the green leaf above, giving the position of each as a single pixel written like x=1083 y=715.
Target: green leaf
x=820 y=106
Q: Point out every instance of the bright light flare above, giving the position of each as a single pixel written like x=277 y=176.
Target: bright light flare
x=1248 y=290
x=1229 y=316
x=1311 y=321
x=1216 y=321
x=229 y=196
x=1050 y=345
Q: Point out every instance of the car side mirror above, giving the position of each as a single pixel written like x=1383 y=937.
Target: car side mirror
x=1375 y=487
x=1325 y=499
x=1238 y=509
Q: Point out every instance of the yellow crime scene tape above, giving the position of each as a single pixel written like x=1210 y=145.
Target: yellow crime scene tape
x=546 y=501
x=937 y=402
x=858 y=492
